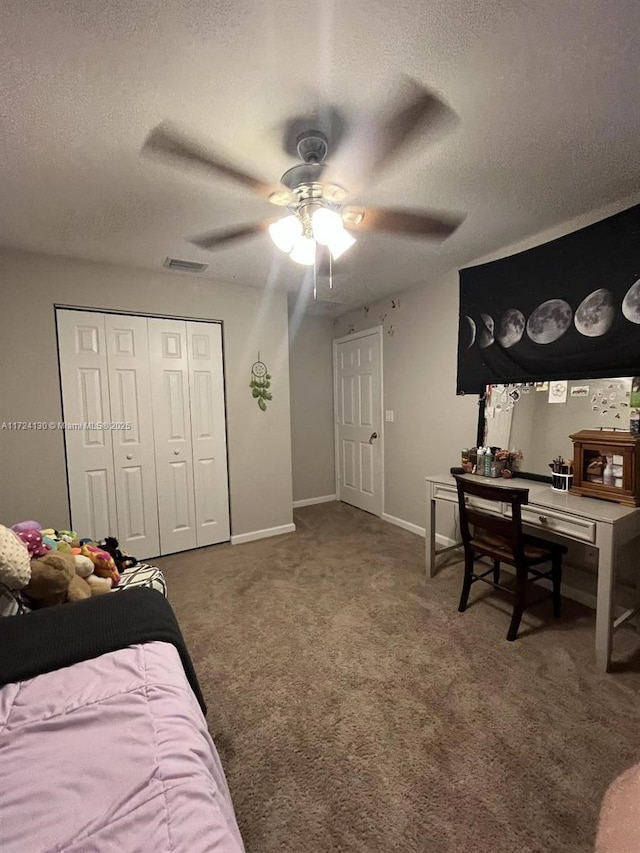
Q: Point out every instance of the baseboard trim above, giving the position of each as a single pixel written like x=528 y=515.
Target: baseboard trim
x=312 y=501
x=241 y=538
x=406 y=525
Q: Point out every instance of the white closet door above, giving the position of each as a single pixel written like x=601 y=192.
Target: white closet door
x=85 y=394
x=208 y=432
x=172 y=430
x=133 y=449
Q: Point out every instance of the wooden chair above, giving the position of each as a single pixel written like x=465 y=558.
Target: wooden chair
x=503 y=540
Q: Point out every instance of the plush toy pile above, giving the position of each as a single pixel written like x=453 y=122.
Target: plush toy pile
x=46 y=566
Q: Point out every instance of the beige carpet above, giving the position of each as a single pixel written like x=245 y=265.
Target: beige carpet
x=355 y=709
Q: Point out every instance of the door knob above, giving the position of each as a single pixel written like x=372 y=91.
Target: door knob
x=176 y=453
x=372 y=436
x=129 y=455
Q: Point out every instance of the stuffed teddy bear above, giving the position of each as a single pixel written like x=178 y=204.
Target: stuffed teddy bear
x=54 y=580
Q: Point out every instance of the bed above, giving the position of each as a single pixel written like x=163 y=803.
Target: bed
x=103 y=740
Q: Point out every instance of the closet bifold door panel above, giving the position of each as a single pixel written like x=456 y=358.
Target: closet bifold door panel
x=161 y=484
x=85 y=393
x=133 y=449
x=172 y=430
x=208 y=432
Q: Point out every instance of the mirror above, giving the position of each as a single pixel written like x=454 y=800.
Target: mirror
x=538 y=417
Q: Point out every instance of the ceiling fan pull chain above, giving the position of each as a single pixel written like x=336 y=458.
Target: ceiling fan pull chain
x=315 y=274
x=330 y=272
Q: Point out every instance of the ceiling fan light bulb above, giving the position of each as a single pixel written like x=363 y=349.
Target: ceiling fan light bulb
x=327 y=225
x=285 y=232
x=340 y=243
x=304 y=251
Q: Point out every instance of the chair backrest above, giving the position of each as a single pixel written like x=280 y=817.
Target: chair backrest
x=509 y=529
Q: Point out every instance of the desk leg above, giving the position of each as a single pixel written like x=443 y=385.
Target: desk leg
x=604 y=603
x=430 y=537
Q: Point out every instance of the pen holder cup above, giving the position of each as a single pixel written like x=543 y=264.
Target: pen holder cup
x=561 y=482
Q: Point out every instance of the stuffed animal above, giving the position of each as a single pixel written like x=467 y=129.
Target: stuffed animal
x=99 y=585
x=67 y=536
x=59 y=540
x=123 y=561
x=84 y=566
x=54 y=581
x=32 y=538
x=15 y=569
x=103 y=564
x=26 y=525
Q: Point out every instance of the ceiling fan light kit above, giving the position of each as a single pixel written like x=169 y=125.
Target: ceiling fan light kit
x=309 y=190
x=340 y=241
x=311 y=223
x=304 y=251
x=285 y=232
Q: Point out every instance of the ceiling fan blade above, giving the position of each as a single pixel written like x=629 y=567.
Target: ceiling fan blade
x=223 y=236
x=282 y=197
x=173 y=143
x=411 y=223
x=411 y=109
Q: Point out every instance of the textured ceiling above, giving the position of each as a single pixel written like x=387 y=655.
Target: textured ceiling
x=547 y=92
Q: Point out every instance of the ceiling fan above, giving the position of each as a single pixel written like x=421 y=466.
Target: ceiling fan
x=313 y=190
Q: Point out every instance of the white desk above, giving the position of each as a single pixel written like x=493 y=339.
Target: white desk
x=603 y=524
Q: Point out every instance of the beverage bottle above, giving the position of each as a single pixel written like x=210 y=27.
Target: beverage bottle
x=488 y=462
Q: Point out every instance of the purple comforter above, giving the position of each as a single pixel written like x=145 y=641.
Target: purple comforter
x=111 y=754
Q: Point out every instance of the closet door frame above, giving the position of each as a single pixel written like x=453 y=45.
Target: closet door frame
x=60 y=307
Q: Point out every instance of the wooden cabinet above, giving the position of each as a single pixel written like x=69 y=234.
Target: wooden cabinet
x=606 y=465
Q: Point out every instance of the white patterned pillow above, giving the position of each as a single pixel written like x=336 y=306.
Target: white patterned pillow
x=15 y=565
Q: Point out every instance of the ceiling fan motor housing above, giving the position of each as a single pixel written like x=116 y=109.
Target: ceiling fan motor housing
x=312 y=146
x=303 y=175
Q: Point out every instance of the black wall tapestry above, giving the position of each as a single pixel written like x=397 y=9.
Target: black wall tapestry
x=569 y=309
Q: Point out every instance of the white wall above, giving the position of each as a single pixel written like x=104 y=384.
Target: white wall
x=311 y=381
x=32 y=463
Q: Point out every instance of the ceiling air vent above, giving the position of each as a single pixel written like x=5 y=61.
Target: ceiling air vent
x=184 y=266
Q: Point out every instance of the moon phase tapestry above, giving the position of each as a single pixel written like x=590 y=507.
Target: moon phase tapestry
x=569 y=309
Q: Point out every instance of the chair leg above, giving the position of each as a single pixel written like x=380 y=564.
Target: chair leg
x=556 y=580
x=496 y=571
x=519 y=605
x=468 y=580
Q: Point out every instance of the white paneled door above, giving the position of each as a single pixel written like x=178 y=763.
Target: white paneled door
x=133 y=448
x=172 y=427
x=208 y=432
x=161 y=484
x=358 y=404
x=85 y=391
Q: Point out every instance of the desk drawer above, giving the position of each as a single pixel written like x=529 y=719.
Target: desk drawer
x=490 y=507
x=566 y=525
x=444 y=493
x=450 y=493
